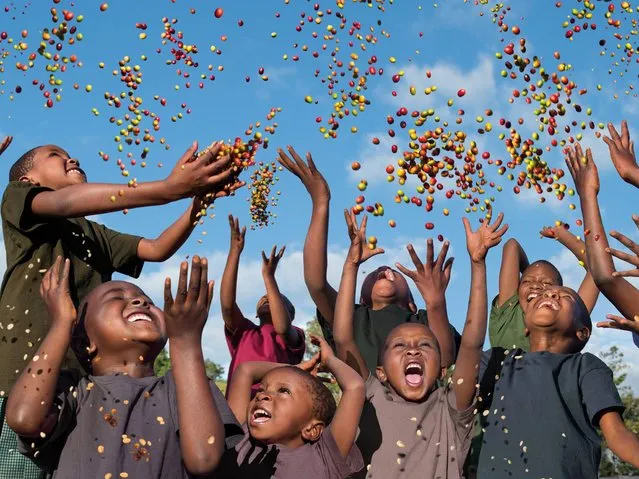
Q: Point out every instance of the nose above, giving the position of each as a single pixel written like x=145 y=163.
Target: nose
x=263 y=396
x=74 y=162
x=140 y=301
x=551 y=293
x=413 y=352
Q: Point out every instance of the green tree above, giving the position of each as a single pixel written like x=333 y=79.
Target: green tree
x=163 y=364
x=313 y=327
x=610 y=464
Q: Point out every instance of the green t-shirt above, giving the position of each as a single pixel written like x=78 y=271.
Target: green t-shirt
x=32 y=245
x=506 y=325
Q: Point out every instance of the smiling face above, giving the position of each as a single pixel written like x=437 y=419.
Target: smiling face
x=118 y=315
x=536 y=278
x=560 y=312
x=54 y=168
x=411 y=362
x=282 y=410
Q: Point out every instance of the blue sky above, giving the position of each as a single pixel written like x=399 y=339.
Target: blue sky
x=457 y=45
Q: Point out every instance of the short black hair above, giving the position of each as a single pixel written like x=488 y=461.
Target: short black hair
x=550 y=265
x=24 y=165
x=324 y=405
x=584 y=319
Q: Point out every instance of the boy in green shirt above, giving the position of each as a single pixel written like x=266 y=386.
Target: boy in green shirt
x=43 y=217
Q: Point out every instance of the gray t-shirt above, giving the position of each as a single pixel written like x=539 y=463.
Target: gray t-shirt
x=540 y=412
x=401 y=439
x=251 y=459
x=118 y=426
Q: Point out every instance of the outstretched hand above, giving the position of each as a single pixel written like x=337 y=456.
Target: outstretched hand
x=620 y=323
x=269 y=265
x=237 y=235
x=622 y=153
x=186 y=315
x=485 y=237
x=312 y=179
x=359 y=250
x=622 y=255
x=55 y=292
x=433 y=276
x=5 y=144
x=317 y=363
x=583 y=170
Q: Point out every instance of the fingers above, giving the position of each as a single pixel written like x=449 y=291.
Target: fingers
x=232 y=224
x=5 y=144
x=631 y=273
x=589 y=158
x=635 y=218
x=627 y=242
x=181 y=290
x=221 y=178
x=55 y=274
x=362 y=227
x=243 y=232
x=405 y=271
x=448 y=269
x=311 y=163
x=298 y=161
x=375 y=252
x=273 y=251
x=285 y=161
x=498 y=221
x=501 y=232
x=264 y=258
x=66 y=270
x=203 y=287
x=189 y=154
x=168 y=297
x=442 y=255
x=413 y=256
x=429 y=251
x=619 y=322
x=625 y=135
x=467 y=227
x=211 y=288
x=194 y=280
x=613 y=133
x=281 y=253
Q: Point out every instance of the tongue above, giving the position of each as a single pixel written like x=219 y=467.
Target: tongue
x=414 y=379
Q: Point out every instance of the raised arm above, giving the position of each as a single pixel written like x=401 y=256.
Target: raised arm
x=30 y=409
x=431 y=279
x=623 y=295
x=201 y=428
x=347 y=349
x=588 y=290
x=231 y=313
x=316 y=244
x=346 y=421
x=5 y=144
x=282 y=322
x=191 y=176
x=466 y=371
x=622 y=442
x=622 y=153
x=513 y=262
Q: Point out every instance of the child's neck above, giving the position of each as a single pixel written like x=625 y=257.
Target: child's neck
x=551 y=342
x=377 y=304
x=131 y=364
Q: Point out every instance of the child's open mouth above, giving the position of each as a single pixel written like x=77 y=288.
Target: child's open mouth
x=531 y=296
x=548 y=303
x=414 y=374
x=135 y=317
x=260 y=416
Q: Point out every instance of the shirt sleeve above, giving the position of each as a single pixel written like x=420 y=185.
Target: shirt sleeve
x=506 y=325
x=598 y=390
x=122 y=250
x=462 y=420
x=16 y=206
x=233 y=337
x=45 y=452
x=329 y=455
x=373 y=387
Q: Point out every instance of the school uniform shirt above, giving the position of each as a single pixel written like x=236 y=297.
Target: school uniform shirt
x=118 y=426
x=540 y=414
x=322 y=459
x=250 y=342
x=372 y=327
x=401 y=439
x=32 y=245
x=506 y=327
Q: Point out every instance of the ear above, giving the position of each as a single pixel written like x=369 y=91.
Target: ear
x=313 y=430
x=412 y=308
x=526 y=332
x=442 y=373
x=583 y=335
x=381 y=374
x=25 y=179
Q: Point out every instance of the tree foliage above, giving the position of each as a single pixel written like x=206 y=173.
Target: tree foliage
x=163 y=364
x=313 y=327
x=610 y=464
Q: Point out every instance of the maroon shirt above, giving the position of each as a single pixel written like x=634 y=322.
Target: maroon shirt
x=250 y=342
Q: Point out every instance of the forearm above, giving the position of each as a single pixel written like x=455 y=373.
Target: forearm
x=316 y=260
x=228 y=289
x=201 y=429
x=600 y=262
x=572 y=243
x=440 y=326
x=473 y=337
x=171 y=239
x=621 y=441
x=345 y=306
x=589 y=292
x=246 y=374
x=32 y=397
x=279 y=314
x=96 y=198
x=513 y=262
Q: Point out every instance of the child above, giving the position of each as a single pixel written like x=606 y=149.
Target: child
x=386 y=300
x=121 y=420
x=275 y=339
x=410 y=427
x=542 y=409
x=521 y=282
x=292 y=426
x=621 y=293
x=43 y=216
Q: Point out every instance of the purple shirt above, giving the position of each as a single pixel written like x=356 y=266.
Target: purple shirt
x=250 y=342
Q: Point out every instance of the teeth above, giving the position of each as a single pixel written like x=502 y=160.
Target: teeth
x=532 y=296
x=414 y=366
x=77 y=172
x=549 y=304
x=139 y=317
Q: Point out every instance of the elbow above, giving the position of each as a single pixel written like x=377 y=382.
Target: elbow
x=512 y=246
x=603 y=280
x=22 y=421
x=204 y=461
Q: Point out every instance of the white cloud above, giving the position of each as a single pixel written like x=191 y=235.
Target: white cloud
x=374 y=159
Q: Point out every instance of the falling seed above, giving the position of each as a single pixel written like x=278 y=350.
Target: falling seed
x=125 y=439
x=124 y=474
x=460 y=381
x=43 y=435
x=211 y=440
x=413 y=419
x=100 y=449
x=108 y=475
x=400 y=444
x=36 y=358
x=419 y=432
x=160 y=419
